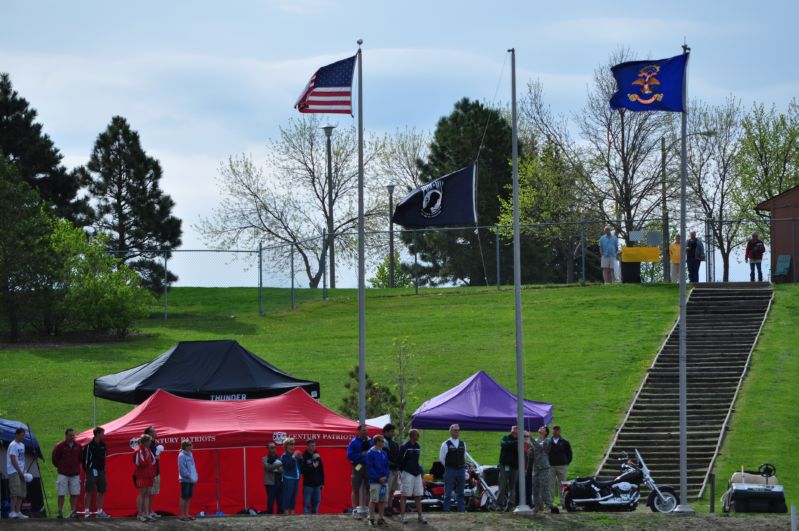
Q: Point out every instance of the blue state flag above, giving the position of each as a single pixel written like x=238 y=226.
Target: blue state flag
x=449 y=200
x=650 y=85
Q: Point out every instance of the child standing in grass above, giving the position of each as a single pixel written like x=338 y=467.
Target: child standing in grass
x=187 y=472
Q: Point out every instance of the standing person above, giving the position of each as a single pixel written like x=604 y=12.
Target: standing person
x=539 y=448
x=94 y=467
x=391 y=448
x=356 y=454
x=187 y=474
x=755 y=248
x=560 y=457
x=675 y=259
x=453 y=456
x=377 y=472
x=15 y=469
x=144 y=460
x=608 y=251
x=508 y=469
x=694 y=255
x=67 y=456
x=410 y=475
x=273 y=480
x=313 y=479
x=291 y=460
x=156 y=450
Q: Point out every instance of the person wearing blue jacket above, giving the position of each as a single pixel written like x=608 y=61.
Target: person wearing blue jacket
x=356 y=454
x=291 y=460
x=187 y=473
x=378 y=472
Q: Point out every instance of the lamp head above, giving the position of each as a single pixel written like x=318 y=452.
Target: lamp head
x=390 y=188
x=328 y=129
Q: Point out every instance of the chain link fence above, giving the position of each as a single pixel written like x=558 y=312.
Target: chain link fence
x=287 y=274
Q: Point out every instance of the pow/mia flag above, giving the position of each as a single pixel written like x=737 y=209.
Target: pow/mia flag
x=449 y=200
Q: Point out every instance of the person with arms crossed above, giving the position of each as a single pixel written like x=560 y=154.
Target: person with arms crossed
x=187 y=475
x=313 y=479
x=356 y=454
x=608 y=251
x=94 y=468
x=560 y=457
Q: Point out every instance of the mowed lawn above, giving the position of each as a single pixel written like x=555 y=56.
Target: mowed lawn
x=586 y=350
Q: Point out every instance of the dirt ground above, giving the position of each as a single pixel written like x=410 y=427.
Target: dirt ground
x=438 y=521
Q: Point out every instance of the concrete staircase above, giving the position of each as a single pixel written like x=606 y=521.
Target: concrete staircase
x=724 y=322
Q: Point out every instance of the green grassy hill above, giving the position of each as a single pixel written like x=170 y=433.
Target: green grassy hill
x=586 y=350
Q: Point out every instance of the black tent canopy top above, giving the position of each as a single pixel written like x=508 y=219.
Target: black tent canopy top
x=207 y=370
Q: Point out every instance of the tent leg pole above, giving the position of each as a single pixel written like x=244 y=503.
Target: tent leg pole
x=218 y=492
x=94 y=412
x=245 y=478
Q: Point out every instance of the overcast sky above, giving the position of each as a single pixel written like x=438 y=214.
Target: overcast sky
x=202 y=80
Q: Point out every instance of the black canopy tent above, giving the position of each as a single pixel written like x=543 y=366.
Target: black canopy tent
x=206 y=370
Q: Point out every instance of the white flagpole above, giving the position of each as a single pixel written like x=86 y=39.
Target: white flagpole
x=683 y=507
x=361 y=271
x=522 y=508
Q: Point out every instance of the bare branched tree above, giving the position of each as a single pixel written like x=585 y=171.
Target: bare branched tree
x=400 y=157
x=283 y=205
x=712 y=150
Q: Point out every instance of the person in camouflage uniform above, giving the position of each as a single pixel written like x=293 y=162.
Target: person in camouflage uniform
x=539 y=459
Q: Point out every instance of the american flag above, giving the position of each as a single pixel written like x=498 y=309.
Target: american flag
x=330 y=89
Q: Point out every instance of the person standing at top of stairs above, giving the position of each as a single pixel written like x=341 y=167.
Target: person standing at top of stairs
x=694 y=256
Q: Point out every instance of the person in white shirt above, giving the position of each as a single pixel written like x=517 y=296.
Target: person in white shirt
x=15 y=466
x=453 y=456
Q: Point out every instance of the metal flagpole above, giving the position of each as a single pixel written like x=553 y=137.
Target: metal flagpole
x=522 y=508
x=361 y=272
x=683 y=507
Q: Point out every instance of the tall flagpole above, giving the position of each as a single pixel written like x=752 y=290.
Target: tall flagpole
x=361 y=272
x=683 y=507
x=522 y=508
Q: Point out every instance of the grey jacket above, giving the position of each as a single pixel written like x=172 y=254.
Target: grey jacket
x=272 y=471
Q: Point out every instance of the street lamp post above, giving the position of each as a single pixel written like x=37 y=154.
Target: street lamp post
x=390 y=188
x=328 y=129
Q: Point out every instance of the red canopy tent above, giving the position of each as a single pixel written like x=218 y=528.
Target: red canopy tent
x=229 y=439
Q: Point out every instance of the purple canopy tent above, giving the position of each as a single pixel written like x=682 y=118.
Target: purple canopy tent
x=479 y=404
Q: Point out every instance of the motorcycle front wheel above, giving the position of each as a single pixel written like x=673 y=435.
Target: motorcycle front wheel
x=667 y=503
x=568 y=503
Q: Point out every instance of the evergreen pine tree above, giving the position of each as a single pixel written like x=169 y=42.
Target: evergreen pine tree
x=37 y=160
x=129 y=206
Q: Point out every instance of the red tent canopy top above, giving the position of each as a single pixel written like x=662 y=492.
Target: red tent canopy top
x=229 y=424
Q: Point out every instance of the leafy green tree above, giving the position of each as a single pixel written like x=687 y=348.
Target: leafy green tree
x=380 y=399
x=37 y=160
x=768 y=159
x=130 y=209
x=382 y=278
x=550 y=196
x=25 y=228
x=99 y=292
x=459 y=256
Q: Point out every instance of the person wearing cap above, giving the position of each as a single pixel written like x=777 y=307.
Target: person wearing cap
x=560 y=457
x=356 y=455
x=608 y=250
x=15 y=467
x=156 y=450
x=67 y=456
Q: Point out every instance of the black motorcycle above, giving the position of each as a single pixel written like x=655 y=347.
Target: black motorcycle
x=622 y=493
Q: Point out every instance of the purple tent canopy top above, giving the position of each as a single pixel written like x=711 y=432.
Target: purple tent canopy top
x=479 y=404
